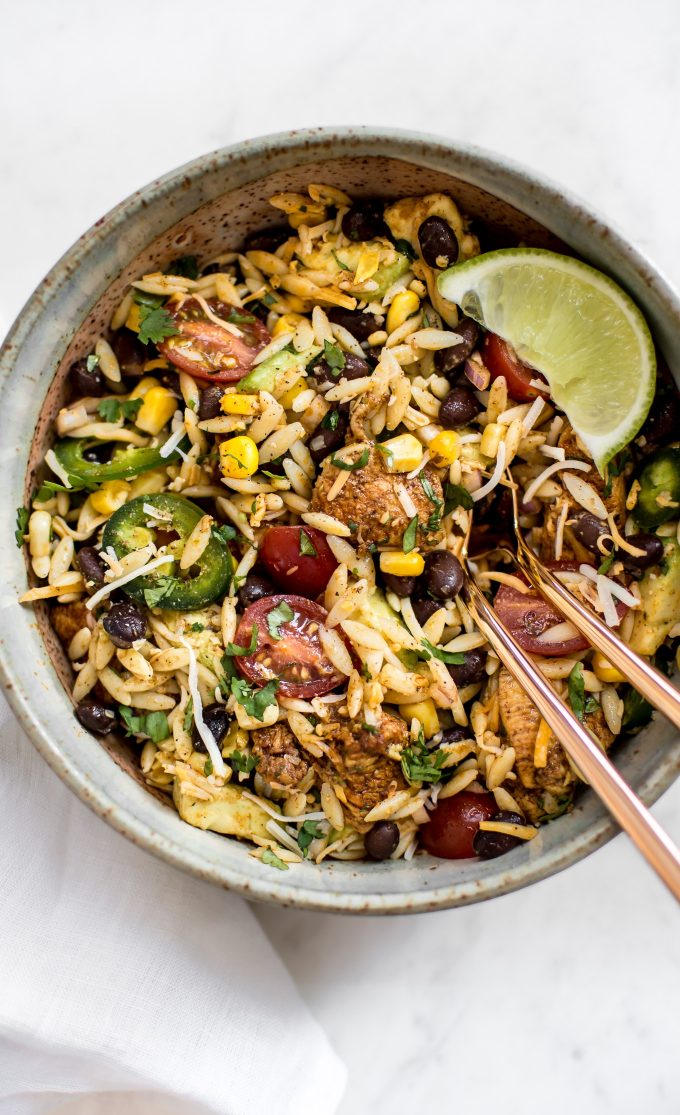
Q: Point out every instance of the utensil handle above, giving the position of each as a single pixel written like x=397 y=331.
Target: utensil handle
x=640 y=673
x=651 y=840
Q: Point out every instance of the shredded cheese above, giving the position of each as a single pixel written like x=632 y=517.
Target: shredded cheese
x=215 y=319
x=58 y=470
x=614 y=587
x=533 y=414
x=125 y=579
x=495 y=475
x=421 y=466
x=173 y=441
x=621 y=542
x=559 y=530
x=201 y=726
x=522 y=832
x=406 y=502
x=540 y=480
x=611 y=616
x=555 y=452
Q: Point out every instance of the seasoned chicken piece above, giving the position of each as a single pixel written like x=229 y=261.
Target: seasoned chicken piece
x=357 y=763
x=68 y=619
x=615 y=502
x=370 y=500
x=279 y=759
x=547 y=791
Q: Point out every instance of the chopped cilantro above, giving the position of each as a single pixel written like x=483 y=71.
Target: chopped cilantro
x=353 y=526
x=234 y=650
x=23 y=515
x=155 y=324
x=240 y=317
x=435 y=519
x=188 y=715
x=308 y=831
x=370 y=728
x=186 y=266
x=334 y=357
x=455 y=495
x=161 y=588
x=341 y=265
x=273 y=860
x=92 y=362
x=254 y=701
x=606 y=565
x=307 y=547
x=225 y=533
x=405 y=249
x=421 y=765
x=576 y=691
x=269 y=299
x=112 y=409
x=242 y=764
x=352 y=466
x=197 y=627
x=408 y=541
x=208 y=767
x=282 y=613
x=452 y=658
x=151 y=724
x=330 y=420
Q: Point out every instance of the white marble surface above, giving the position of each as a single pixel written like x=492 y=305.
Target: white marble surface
x=564 y=996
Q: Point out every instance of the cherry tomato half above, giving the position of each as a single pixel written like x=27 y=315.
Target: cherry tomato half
x=207 y=351
x=502 y=360
x=528 y=615
x=306 y=573
x=296 y=656
x=454 y=823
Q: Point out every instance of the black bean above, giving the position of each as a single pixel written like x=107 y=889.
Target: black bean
x=423 y=608
x=450 y=360
x=381 y=840
x=95 y=717
x=400 y=586
x=210 y=404
x=125 y=624
x=353 y=368
x=653 y=547
x=456 y=735
x=130 y=353
x=325 y=441
x=364 y=220
x=267 y=239
x=471 y=670
x=587 y=529
x=84 y=381
x=443 y=575
x=254 y=588
x=359 y=324
x=217 y=719
x=458 y=408
x=663 y=419
x=438 y=244
x=91 y=566
x=488 y=845
x=212 y=269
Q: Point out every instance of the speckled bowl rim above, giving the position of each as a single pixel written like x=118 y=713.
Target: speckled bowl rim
x=547 y=203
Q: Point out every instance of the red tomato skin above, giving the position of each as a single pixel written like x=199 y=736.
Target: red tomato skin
x=296 y=647
x=528 y=615
x=212 y=341
x=454 y=823
x=292 y=571
x=502 y=360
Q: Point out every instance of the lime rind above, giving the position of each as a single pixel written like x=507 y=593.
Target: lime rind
x=574 y=325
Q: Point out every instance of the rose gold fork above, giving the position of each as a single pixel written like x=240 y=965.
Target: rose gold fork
x=603 y=777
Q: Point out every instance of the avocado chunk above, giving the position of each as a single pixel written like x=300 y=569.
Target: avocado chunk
x=230 y=812
x=263 y=376
x=660 y=607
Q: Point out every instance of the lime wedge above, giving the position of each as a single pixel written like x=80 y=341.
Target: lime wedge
x=576 y=327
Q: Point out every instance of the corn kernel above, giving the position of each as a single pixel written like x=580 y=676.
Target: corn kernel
x=605 y=671
x=147 y=483
x=112 y=495
x=402 y=453
x=491 y=439
x=446 y=447
x=239 y=404
x=289 y=396
x=156 y=411
x=143 y=387
x=287 y=323
x=238 y=457
x=404 y=304
x=132 y=320
x=425 y=712
x=402 y=565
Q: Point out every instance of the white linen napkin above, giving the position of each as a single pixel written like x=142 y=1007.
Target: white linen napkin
x=126 y=985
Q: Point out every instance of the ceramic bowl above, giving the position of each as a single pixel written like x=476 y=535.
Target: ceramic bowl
x=201 y=208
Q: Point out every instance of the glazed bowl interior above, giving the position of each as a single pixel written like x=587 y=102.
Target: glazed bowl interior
x=209 y=207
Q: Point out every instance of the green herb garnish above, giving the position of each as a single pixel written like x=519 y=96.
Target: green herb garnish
x=452 y=658
x=330 y=420
x=341 y=265
x=254 y=701
x=307 y=548
x=23 y=515
x=155 y=324
x=580 y=704
x=151 y=724
x=282 y=613
x=242 y=764
x=421 y=765
x=273 y=860
x=92 y=362
x=455 y=495
x=408 y=541
x=154 y=595
x=607 y=563
x=405 y=249
x=308 y=831
x=234 y=650
x=185 y=266
x=334 y=357
x=112 y=409
x=188 y=715
x=208 y=767
x=352 y=466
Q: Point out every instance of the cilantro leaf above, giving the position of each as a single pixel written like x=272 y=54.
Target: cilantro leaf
x=282 y=613
x=273 y=860
x=421 y=765
x=152 y=724
x=160 y=589
x=341 y=265
x=330 y=420
x=592 y=704
x=226 y=532
x=186 y=266
x=576 y=691
x=405 y=249
x=306 y=545
x=455 y=495
x=155 y=324
x=188 y=715
x=234 y=650
x=92 y=362
x=452 y=658
x=23 y=515
x=408 y=541
x=240 y=317
x=111 y=409
x=254 y=701
x=208 y=767
x=242 y=764
x=606 y=565
x=352 y=466
x=435 y=519
x=306 y=833
x=334 y=357
x=197 y=627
